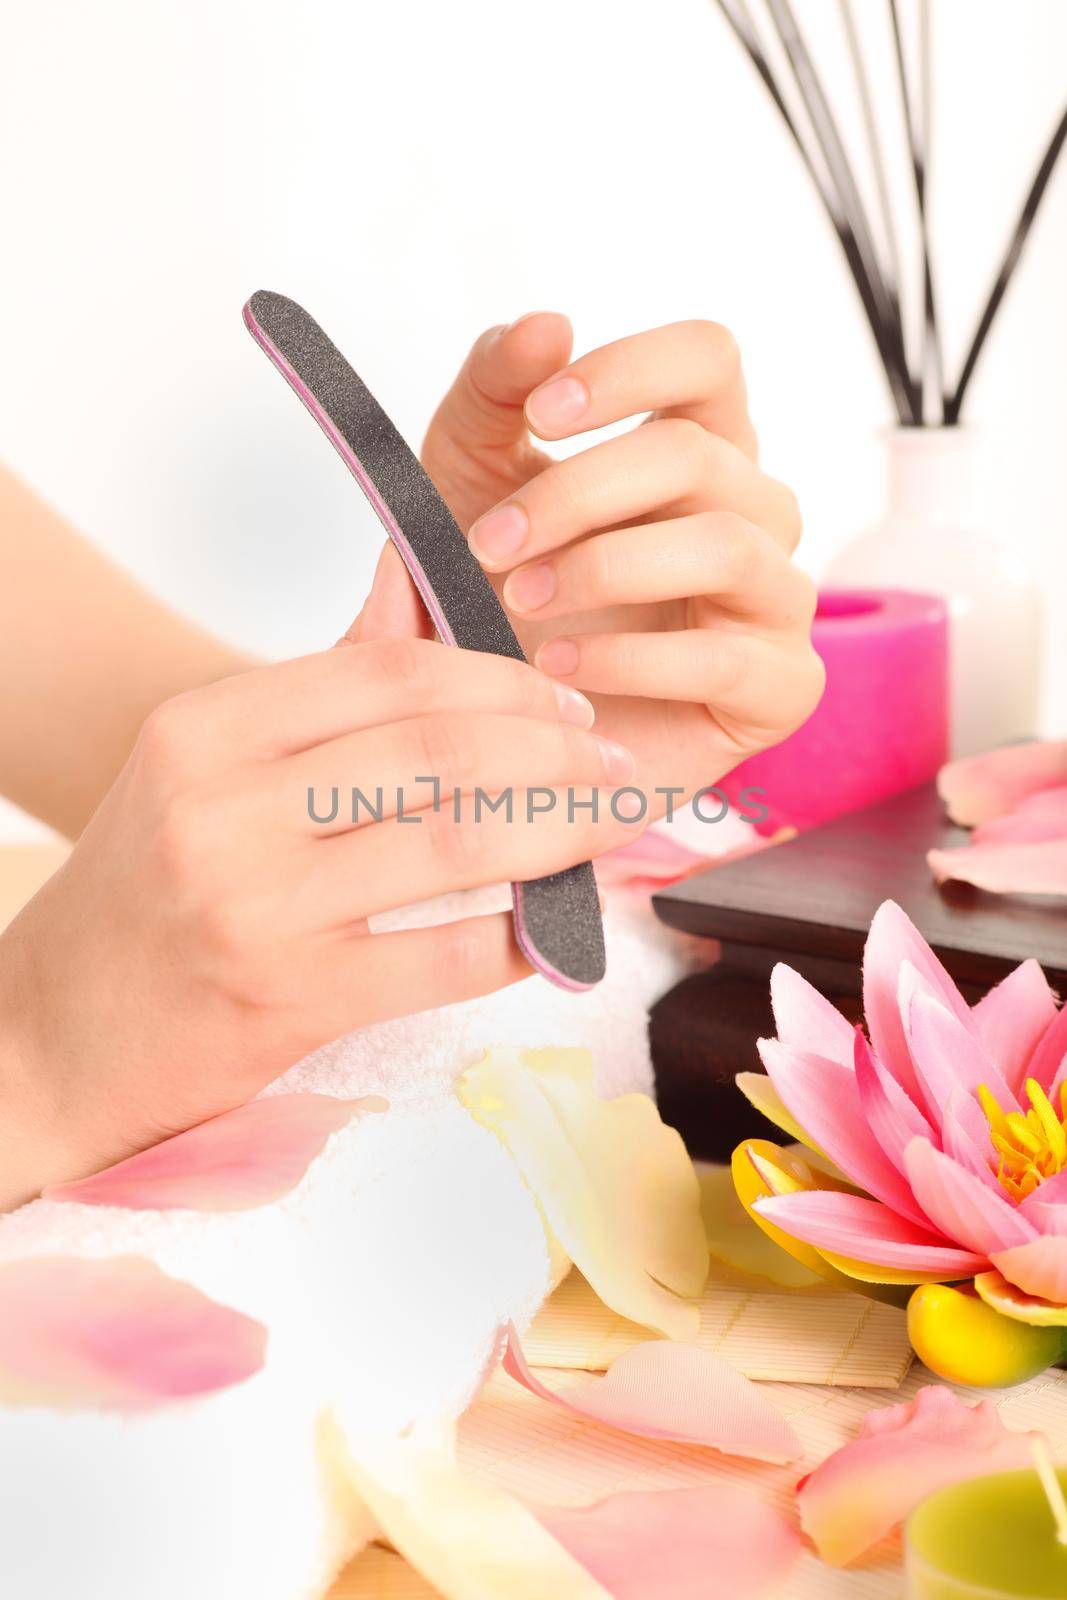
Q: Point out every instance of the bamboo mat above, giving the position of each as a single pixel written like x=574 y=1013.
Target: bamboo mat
x=814 y=1336
x=543 y=1453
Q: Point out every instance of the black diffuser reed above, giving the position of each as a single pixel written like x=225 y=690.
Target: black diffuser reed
x=920 y=389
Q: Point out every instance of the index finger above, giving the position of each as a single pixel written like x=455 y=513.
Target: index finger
x=686 y=369
x=271 y=712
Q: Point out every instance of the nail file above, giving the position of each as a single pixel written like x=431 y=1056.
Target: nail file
x=557 y=919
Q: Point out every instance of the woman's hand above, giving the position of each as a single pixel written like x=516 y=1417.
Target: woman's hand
x=206 y=931
x=651 y=570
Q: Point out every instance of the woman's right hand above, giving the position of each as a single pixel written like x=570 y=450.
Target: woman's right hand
x=206 y=932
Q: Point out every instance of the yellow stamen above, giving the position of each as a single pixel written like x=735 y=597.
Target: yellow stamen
x=995 y=1117
x=1030 y=1146
x=1022 y=1133
x=1008 y=1154
x=1051 y=1125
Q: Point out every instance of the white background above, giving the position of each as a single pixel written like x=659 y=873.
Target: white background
x=415 y=170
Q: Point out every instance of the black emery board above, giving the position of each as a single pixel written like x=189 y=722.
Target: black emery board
x=557 y=918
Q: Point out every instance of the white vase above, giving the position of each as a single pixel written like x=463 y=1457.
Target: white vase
x=927 y=541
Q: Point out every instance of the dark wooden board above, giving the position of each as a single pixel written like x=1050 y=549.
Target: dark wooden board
x=815 y=896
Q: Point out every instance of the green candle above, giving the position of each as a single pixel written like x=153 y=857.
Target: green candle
x=994 y=1538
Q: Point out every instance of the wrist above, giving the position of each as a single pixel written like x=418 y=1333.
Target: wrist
x=37 y=1144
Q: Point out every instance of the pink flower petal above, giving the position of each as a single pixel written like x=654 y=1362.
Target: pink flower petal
x=683 y=1543
x=242 y=1159
x=892 y=1116
x=1040 y=816
x=892 y=940
x=1039 y=1267
x=965 y=1137
x=1005 y=868
x=666 y=1390
x=902 y=1454
x=805 y=1020
x=115 y=1334
x=945 y=1051
x=961 y=1205
x=1011 y=1019
x=865 y=1230
x=1046 y=1208
x=1048 y=1064
x=653 y=858
x=824 y=1098
x=985 y=786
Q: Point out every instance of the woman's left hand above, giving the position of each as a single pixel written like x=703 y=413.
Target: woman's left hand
x=651 y=570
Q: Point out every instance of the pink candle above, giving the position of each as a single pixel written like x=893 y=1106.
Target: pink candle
x=882 y=725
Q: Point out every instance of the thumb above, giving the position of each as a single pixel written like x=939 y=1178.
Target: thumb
x=484 y=405
x=393 y=609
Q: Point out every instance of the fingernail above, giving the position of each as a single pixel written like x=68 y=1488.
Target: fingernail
x=629 y=806
x=499 y=533
x=527 y=316
x=530 y=589
x=557 y=403
x=619 y=764
x=559 y=658
x=574 y=707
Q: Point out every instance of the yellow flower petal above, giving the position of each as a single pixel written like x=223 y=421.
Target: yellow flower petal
x=752 y=1185
x=962 y=1338
x=638 y=1160
x=471 y=1541
x=760 y=1092
x=888 y=1277
x=734 y=1238
x=1012 y=1302
x=615 y=1185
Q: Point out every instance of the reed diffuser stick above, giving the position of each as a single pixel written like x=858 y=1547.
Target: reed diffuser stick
x=740 y=21
x=931 y=350
x=834 y=154
x=1011 y=260
x=926 y=134
x=870 y=129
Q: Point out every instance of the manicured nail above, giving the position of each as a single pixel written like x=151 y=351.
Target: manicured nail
x=574 y=707
x=619 y=764
x=557 y=404
x=530 y=589
x=559 y=658
x=499 y=534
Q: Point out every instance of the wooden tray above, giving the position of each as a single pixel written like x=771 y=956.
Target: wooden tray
x=815 y=896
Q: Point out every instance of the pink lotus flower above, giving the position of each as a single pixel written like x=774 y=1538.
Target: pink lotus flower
x=1015 y=799
x=948 y=1130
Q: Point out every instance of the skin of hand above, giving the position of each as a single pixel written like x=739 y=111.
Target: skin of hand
x=195 y=944
x=85 y=655
x=206 y=932
x=651 y=570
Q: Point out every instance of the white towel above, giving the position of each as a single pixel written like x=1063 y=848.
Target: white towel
x=383 y=1279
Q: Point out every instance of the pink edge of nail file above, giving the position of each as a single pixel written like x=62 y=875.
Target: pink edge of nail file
x=557 y=919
